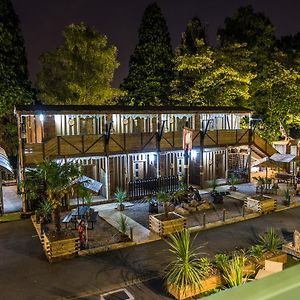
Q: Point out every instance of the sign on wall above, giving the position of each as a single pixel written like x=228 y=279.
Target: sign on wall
x=187 y=139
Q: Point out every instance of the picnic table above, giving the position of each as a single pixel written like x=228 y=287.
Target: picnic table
x=80 y=213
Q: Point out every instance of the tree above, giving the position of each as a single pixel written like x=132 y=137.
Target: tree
x=150 y=66
x=220 y=77
x=14 y=84
x=249 y=27
x=53 y=181
x=194 y=31
x=80 y=71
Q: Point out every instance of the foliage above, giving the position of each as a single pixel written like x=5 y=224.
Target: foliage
x=213 y=184
x=221 y=260
x=270 y=241
x=120 y=196
x=123 y=224
x=150 y=66
x=212 y=77
x=14 y=84
x=232 y=180
x=46 y=210
x=85 y=194
x=79 y=71
x=55 y=180
x=205 y=266
x=233 y=272
x=256 y=251
x=287 y=196
x=194 y=31
x=185 y=269
x=163 y=198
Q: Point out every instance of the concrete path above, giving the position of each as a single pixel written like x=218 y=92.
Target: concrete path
x=141 y=234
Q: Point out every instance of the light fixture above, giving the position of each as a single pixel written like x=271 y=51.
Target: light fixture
x=193 y=154
x=151 y=158
x=125 y=121
x=41 y=117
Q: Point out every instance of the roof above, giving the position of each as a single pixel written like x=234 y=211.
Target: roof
x=284 y=158
x=4 y=162
x=278 y=286
x=68 y=109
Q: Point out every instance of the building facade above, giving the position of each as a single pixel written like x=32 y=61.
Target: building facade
x=117 y=145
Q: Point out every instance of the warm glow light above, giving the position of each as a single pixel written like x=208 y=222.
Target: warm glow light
x=193 y=154
x=41 y=117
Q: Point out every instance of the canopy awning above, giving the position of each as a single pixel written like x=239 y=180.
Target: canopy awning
x=4 y=162
x=284 y=158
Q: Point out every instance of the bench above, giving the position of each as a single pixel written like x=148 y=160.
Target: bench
x=67 y=219
x=92 y=219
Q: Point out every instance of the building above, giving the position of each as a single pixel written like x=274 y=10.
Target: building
x=130 y=147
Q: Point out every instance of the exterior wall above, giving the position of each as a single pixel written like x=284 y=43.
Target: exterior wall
x=135 y=148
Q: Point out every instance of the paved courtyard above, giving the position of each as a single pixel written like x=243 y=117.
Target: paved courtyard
x=26 y=274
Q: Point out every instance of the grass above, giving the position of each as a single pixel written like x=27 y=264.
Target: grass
x=10 y=217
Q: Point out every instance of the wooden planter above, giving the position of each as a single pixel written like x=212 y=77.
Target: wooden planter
x=59 y=249
x=176 y=223
x=261 y=204
x=211 y=282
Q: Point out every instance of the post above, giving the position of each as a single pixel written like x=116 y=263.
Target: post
x=243 y=211
x=204 y=220
x=186 y=166
x=131 y=233
x=224 y=214
x=1 y=195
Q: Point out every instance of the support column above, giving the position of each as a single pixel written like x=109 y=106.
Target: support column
x=107 y=175
x=201 y=159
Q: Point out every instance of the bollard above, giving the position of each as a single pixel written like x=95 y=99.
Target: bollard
x=224 y=212
x=131 y=233
x=204 y=219
x=243 y=211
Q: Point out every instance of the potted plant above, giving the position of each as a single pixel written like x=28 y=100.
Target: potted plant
x=232 y=181
x=120 y=195
x=123 y=227
x=185 y=275
x=45 y=212
x=166 y=222
x=287 y=197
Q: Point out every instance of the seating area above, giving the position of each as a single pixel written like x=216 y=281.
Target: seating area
x=79 y=213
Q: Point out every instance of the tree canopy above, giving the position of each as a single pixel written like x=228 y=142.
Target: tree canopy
x=14 y=84
x=80 y=71
x=150 y=66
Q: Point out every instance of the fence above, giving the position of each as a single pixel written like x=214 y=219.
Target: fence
x=144 y=187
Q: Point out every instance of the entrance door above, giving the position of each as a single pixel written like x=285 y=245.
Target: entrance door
x=219 y=167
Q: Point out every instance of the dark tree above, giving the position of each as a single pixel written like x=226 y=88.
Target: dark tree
x=150 y=66
x=14 y=84
x=249 y=27
x=194 y=31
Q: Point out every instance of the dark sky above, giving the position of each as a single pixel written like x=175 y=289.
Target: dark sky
x=42 y=21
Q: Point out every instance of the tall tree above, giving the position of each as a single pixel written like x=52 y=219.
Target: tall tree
x=194 y=31
x=150 y=66
x=14 y=85
x=213 y=77
x=80 y=71
x=249 y=27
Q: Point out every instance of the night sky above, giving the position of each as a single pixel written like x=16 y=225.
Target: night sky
x=42 y=21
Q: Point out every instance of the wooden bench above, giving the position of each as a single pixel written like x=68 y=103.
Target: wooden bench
x=67 y=219
x=92 y=219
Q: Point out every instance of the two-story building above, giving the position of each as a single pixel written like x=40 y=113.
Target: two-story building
x=119 y=146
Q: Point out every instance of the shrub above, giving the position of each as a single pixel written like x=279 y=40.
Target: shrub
x=270 y=241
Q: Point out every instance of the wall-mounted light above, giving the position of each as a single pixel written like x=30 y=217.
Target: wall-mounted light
x=151 y=158
x=41 y=117
x=193 y=154
x=125 y=121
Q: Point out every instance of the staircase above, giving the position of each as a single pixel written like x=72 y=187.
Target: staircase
x=261 y=147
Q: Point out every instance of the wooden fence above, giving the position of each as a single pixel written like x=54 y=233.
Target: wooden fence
x=144 y=187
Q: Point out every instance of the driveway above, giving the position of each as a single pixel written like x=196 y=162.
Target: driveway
x=25 y=273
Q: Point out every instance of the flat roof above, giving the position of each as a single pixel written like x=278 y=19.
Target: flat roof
x=84 y=109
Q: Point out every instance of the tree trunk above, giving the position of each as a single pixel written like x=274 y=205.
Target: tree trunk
x=57 y=219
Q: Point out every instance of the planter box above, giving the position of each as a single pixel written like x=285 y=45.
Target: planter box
x=176 y=223
x=261 y=204
x=290 y=249
x=207 y=284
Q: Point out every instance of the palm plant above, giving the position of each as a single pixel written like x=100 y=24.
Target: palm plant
x=256 y=251
x=260 y=183
x=270 y=241
x=163 y=198
x=221 y=260
x=233 y=272
x=120 y=195
x=287 y=196
x=123 y=225
x=58 y=179
x=186 y=269
x=232 y=181
x=45 y=210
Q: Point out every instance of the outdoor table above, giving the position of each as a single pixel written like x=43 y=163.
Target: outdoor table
x=80 y=213
x=285 y=177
